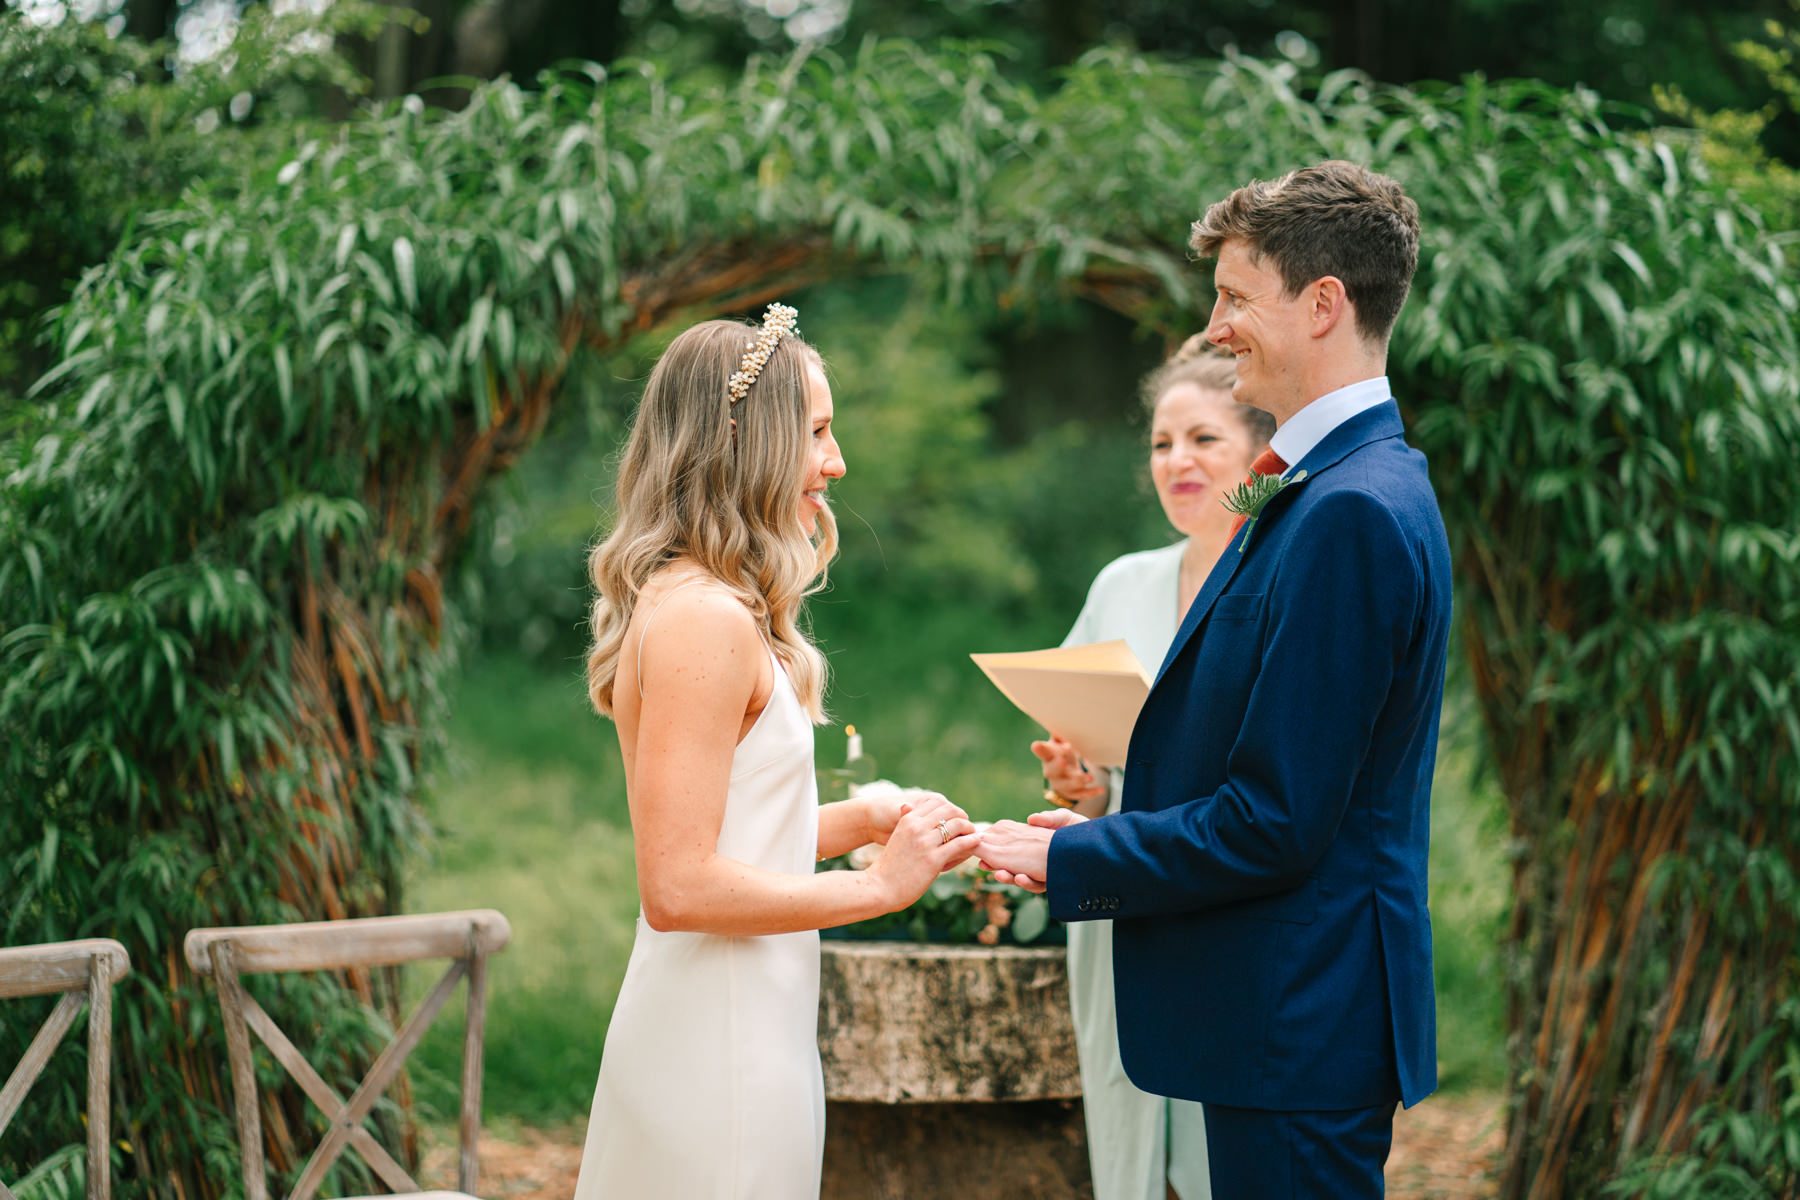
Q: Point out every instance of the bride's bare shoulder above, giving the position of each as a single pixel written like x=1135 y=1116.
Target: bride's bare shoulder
x=689 y=621
x=690 y=590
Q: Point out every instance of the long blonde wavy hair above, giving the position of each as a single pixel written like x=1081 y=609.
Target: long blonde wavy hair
x=689 y=488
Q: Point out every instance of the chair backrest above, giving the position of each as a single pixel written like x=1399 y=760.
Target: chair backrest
x=83 y=972
x=227 y=954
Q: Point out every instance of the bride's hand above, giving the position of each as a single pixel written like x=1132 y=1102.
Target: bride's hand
x=929 y=838
x=883 y=811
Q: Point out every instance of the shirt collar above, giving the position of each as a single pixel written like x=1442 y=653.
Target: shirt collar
x=1308 y=427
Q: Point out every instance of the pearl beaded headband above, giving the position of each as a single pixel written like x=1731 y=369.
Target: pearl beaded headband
x=780 y=321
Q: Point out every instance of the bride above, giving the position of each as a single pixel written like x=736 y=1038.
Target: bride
x=710 y=1086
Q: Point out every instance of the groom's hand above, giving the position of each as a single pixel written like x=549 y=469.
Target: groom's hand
x=1020 y=854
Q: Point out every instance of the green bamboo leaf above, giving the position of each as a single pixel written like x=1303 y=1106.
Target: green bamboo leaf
x=46 y=865
x=359 y=377
x=1634 y=260
x=480 y=313
x=284 y=377
x=377 y=278
x=565 y=276
x=68 y=365
x=175 y=403
x=91 y=398
x=403 y=270
x=327 y=338
x=1612 y=307
x=504 y=343
x=77 y=335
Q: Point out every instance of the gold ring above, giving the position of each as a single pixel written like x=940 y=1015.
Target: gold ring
x=1057 y=798
x=943 y=831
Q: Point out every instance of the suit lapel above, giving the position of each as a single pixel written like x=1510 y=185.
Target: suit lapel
x=1210 y=591
x=1371 y=425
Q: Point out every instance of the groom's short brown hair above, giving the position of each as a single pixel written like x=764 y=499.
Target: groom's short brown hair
x=1335 y=218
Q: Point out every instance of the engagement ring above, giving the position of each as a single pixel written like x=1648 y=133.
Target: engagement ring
x=943 y=832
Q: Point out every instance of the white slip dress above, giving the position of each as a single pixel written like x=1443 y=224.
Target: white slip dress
x=710 y=1086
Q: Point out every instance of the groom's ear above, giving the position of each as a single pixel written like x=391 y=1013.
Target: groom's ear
x=1330 y=305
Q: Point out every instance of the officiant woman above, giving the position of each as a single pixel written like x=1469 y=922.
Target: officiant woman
x=1202 y=442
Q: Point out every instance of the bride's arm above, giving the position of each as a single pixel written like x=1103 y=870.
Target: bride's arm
x=701 y=662
x=846 y=824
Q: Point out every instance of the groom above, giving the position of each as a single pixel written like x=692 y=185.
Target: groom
x=1266 y=875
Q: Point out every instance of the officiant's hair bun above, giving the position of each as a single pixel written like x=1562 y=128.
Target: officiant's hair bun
x=1211 y=369
x=1196 y=361
x=1197 y=347
x=1332 y=218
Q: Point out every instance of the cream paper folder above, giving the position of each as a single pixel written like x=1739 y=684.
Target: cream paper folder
x=1088 y=695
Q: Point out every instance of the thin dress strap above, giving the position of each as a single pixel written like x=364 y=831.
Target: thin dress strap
x=646 y=629
x=665 y=599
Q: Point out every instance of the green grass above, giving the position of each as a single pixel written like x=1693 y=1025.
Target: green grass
x=1469 y=887
x=532 y=821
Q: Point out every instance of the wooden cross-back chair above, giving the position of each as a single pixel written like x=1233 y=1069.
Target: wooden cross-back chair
x=227 y=954
x=84 y=973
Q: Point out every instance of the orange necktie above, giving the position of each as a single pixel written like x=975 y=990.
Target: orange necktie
x=1267 y=463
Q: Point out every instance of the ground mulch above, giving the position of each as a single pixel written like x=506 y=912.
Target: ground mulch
x=1445 y=1149
x=1448 y=1148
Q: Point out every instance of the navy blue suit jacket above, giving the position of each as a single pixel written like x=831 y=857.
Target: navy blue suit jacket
x=1266 y=872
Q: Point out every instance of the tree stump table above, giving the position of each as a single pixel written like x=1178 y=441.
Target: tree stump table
x=950 y=1071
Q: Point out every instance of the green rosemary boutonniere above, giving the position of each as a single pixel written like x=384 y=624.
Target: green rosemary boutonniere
x=1249 y=498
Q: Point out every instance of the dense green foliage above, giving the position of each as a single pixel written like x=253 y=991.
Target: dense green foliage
x=275 y=410
x=94 y=135
x=1621 y=48
x=1612 y=476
